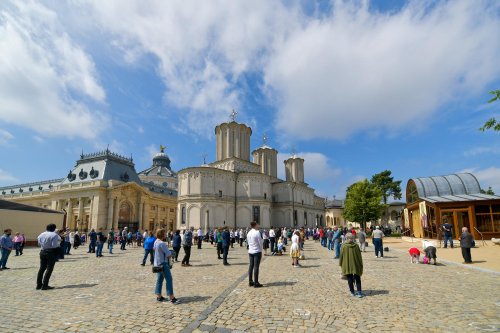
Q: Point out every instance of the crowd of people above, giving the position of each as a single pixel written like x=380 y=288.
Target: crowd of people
x=346 y=245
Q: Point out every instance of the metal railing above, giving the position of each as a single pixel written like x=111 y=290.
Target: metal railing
x=482 y=236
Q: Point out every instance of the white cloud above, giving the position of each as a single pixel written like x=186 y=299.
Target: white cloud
x=354 y=70
x=140 y=129
x=330 y=74
x=481 y=151
x=5 y=137
x=487 y=177
x=45 y=77
x=6 y=178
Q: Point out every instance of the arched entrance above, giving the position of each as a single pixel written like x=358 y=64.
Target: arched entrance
x=125 y=217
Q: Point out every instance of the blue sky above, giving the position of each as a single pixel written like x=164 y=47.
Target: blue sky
x=355 y=88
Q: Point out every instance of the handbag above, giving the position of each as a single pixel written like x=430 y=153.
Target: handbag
x=157 y=269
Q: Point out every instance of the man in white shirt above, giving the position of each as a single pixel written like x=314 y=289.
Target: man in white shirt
x=377 y=236
x=49 y=244
x=254 y=241
x=272 y=240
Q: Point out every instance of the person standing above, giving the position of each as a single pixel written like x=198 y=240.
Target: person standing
x=93 y=241
x=336 y=241
x=76 y=240
x=362 y=239
x=23 y=244
x=254 y=240
x=49 y=244
x=295 y=249
x=272 y=240
x=329 y=238
x=218 y=238
x=200 y=238
x=242 y=236
x=176 y=244
x=67 y=242
x=226 y=241
x=124 y=237
x=149 y=248
x=448 y=233
x=162 y=255
x=18 y=241
x=231 y=235
x=138 y=237
x=466 y=241
x=6 y=246
x=377 y=236
x=352 y=264
x=187 y=243
x=100 y=239
x=111 y=240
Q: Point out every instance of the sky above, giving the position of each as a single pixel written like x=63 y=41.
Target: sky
x=353 y=87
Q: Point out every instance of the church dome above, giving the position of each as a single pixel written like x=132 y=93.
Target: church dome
x=161 y=159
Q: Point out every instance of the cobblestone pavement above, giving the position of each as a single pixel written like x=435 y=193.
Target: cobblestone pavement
x=116 y=294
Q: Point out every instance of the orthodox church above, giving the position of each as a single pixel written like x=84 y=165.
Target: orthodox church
x=234 y=191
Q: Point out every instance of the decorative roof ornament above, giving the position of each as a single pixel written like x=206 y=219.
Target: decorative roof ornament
x=204 y=155
x=265 y=138
x=162 y=148
x=294 y=152
x=233 y=115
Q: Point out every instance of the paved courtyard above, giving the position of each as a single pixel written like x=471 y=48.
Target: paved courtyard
x=115 y=294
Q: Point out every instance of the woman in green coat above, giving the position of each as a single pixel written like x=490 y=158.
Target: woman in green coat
x=352 y=264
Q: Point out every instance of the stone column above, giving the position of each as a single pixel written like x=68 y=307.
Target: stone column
x=145 y=219
x=141 y=215
x=111 y=204
x=80 y=211
x=69 y=214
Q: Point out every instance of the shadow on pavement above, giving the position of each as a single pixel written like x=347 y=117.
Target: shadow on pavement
x=310 y=266
x=205 y=265
x=192 y=299
x=83 y=285
x=280 y=284
x=375 y=292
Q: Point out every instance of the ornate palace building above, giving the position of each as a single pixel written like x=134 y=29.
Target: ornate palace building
x=232 y=191
x=104 y=190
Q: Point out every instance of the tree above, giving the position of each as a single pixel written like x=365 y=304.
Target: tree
x=387 y=185
x=363 y=202
x=492 y=123
x=488 y=191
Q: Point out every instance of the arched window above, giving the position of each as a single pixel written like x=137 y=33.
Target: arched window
x=183 y=220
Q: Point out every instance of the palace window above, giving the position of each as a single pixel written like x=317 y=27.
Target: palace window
x=183 y=215
x=256 y=213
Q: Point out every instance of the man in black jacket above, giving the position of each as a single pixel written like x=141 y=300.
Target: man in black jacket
x=466 y=243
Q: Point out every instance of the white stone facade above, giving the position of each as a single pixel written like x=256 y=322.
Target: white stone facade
x=232 y=191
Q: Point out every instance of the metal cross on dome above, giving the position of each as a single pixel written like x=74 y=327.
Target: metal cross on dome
x=265 y=138
x=233 y=115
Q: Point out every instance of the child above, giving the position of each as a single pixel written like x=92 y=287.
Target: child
x=414 y=255
x=280 y=246
x=295 y=249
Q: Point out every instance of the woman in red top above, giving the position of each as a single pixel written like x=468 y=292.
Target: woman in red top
x=414 y=255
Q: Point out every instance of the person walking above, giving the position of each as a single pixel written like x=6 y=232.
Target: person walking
x=466 y=243
x=377 y=236
x=101 y=239
x=149 y=248
x=161 y=258
x=226 y=242
x=93 y=241
x=187 y=243
x=447 y=233
x=176 y=244
x=352 y=264
x=254 y=240
x=362 y=239
x=6 y=246
x=18 y=241
x=48 y=241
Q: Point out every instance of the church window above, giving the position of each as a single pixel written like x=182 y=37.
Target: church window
x=171 y=210
x=220 y=194
x=183 y=215
x=265 y=195
x=305 y=218
x=256 y=213
x=294 y=217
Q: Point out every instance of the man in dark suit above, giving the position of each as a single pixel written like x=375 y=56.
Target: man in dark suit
x=466 y=243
